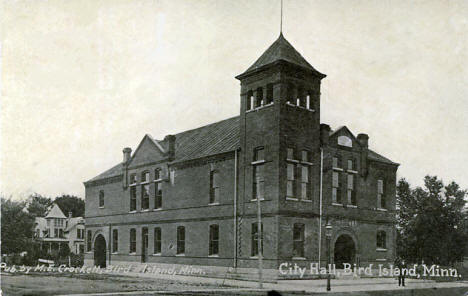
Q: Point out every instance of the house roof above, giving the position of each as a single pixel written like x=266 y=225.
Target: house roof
x=72 y=222
x=216 y=138
x=281 y=50
x=55 y=212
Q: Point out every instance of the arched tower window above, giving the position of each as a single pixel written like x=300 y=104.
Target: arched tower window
x=269 y=93
x=249 y=101
x=259 y=98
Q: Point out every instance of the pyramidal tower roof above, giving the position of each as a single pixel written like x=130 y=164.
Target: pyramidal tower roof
x=55 y=212
x=281 y=50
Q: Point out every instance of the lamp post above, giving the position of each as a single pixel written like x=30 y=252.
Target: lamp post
x=328 y=232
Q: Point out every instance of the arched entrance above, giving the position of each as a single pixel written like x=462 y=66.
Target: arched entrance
x=345 y=251
x=100 y=251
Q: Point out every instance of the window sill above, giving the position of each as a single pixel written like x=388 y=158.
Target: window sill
x=101 y=207
x=261 y=199
x=381 y=260
x=337 y=169
x=382 y=210
x=132 y=212
x=258 y=162
x=351 y=206
x=158 y=209
x=145 y=210
x=337 y=204
x=381 y=250
x=214 y=204
x=259 y=108
x=180 y=255
x=144 y=183
x=158 y=180
x=114 y=253
x=157 y=254
x=306 y=163
x=133 y=184
x=352 y=171
x=299 y=258
x=292 y=160
x=254 y=257
x=132 y=254
x=213 y=256
x=292 y=198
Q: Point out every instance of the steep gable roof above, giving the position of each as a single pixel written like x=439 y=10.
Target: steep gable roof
x=55 y=212
x=281 y=50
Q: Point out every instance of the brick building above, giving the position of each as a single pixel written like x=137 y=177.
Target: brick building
x=191 y=198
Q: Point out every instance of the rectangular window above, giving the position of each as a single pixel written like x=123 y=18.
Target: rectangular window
x=133 y=240
x=305 y=156
x=157 y=174
x=298 y=240
x=133 y=179
x=290 y=153
x=145 y=195
x=133 y=198
x=259 y=154
x=158 y=195
x=214 y=240
x=255 y=239
x=258 y=181
x=337 y=161
x=351 y=192
x=144 y=177
x=305 y=182
x=115 y=240
x=269 y=94
x=336 y=189
x=351 y=165
x=291 y=182
x=214 y=187
x=101 y=199
x=157 y=241
x=89 y=240
x=381 y=240
x=380 y=194
x=56 y=232
x=181 y=240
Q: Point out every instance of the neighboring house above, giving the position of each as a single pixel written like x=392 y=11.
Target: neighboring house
x=56 y=230
x=192 y=197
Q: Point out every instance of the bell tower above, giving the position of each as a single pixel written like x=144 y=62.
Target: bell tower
x=280 y=109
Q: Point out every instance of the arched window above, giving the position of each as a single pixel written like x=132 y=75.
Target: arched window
x=101 y=198
x=269 y=94
x=381 y=239
x=214 y=187
x=144 y=177
x=249 y=101
x=157 y=174
x=259 y=98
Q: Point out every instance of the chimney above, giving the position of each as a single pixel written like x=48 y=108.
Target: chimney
x=70 y=215
x=126 y=154
x=171 y=149
x=363 y=140
x=324 y=134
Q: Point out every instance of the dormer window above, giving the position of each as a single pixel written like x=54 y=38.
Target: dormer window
x=259 y=98
x=269 y=94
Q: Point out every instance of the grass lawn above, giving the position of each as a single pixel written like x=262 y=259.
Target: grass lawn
x=56 y=284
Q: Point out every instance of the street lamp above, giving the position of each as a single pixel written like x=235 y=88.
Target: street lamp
x=328 y=233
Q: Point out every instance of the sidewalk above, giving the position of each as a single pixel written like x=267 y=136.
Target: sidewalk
x=309 y=286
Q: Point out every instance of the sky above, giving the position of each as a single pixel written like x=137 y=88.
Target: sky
x=82 y=79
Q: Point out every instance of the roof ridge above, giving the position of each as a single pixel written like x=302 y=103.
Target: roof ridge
x=204 y=126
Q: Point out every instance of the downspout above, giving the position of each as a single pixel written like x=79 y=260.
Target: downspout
x=110 y=243
x=320 y=210
x=235 y=208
